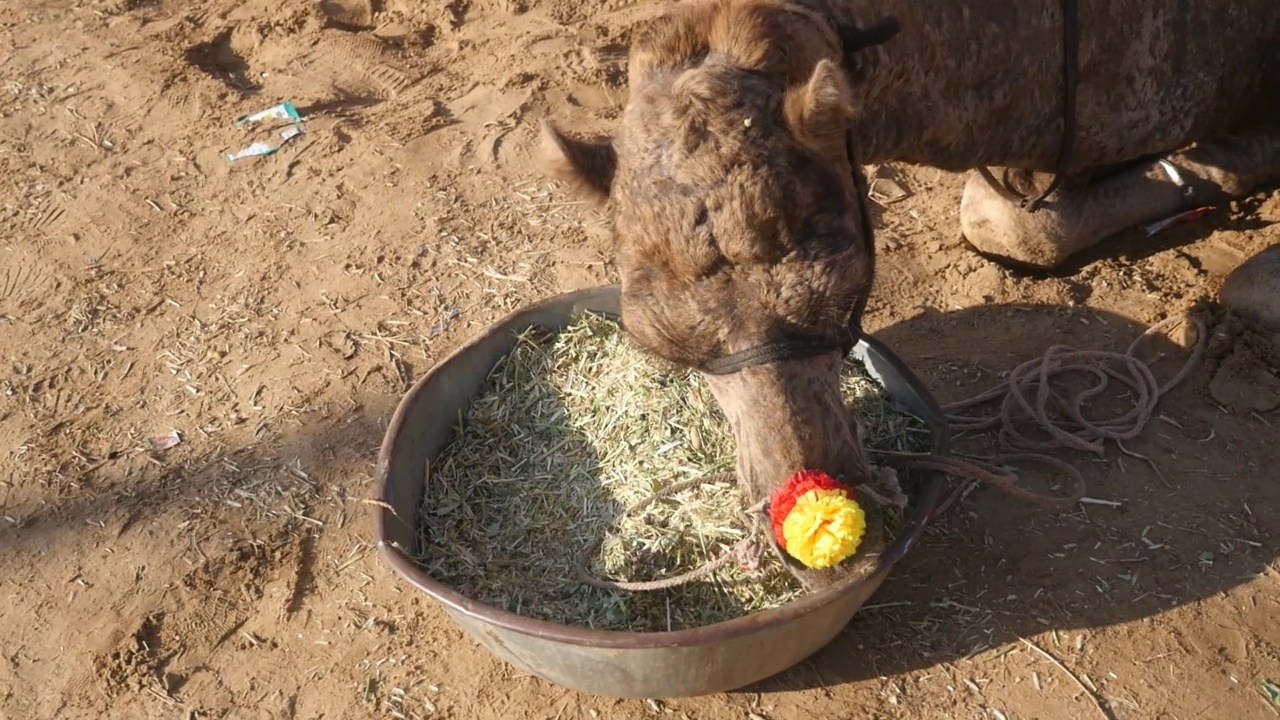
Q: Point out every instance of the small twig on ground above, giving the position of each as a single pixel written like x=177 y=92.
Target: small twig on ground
x=380 y=503
x=1092 y=695
x=1148 y=460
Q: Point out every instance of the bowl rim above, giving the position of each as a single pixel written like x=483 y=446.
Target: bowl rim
x=404 y=566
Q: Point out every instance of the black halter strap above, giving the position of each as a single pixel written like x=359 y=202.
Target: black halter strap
x=799 y=349
x=852 y=39
x=1070 y=79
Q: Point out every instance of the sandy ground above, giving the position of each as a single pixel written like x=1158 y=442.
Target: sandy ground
x=274 y=309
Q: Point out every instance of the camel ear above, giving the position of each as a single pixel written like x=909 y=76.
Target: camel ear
x=586 y=165
x=822 y=109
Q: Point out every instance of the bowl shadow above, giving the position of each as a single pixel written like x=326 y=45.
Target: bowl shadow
x=1194 y=522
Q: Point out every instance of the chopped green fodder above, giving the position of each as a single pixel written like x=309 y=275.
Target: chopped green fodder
x=575 y=428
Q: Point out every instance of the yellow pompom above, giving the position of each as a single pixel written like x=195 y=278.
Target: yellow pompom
x=823 y=528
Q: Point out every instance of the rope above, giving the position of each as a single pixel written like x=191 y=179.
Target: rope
x=1025 y=396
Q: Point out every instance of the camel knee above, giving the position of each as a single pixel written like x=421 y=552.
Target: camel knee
x=1080 y=215
x=997 y=226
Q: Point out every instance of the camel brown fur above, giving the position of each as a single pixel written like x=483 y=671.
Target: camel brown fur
x=732 y=200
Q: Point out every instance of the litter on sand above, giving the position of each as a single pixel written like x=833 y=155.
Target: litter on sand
x=158 y=443
x=1272 y=690
x=259 y=149
x=1157 y=226
x=284 y=111
x=572 y=429
x=439 y=327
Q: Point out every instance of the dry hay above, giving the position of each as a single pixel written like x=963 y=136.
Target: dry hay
x=571 y=430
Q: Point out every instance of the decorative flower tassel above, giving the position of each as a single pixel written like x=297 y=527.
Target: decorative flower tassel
x=816 y=519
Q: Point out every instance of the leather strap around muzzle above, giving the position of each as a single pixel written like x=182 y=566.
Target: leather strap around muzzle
x=805 y=348
x=799 y=349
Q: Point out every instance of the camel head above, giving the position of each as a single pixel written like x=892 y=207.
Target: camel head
x=737 y=222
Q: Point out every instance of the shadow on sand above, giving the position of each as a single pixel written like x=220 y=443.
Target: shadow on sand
x=993 y=570
x=1190 y=525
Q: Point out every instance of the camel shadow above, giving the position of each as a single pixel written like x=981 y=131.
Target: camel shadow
x=260 y=468
x=218 y=515
x=1189 y=525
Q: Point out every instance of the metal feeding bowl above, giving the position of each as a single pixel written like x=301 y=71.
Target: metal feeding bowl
x=699 y=661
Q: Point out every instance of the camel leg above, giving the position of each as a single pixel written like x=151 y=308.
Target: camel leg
x=1083 y=213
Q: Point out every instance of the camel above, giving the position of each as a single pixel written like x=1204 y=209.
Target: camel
x=736 y=195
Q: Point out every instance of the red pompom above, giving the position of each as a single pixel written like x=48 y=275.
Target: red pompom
x=783 y=499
